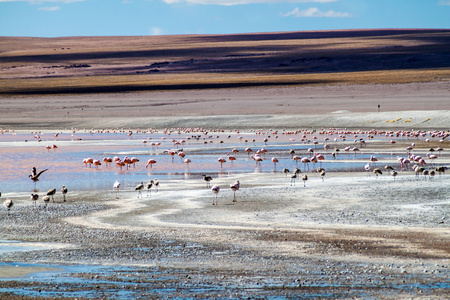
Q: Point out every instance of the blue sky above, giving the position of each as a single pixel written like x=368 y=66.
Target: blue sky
x=54 y=18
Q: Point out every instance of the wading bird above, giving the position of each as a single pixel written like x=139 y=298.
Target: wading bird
x=235 y=187
x=116 y=187
x=51 y=193
x=149 y=186
x=304 y=178
x=139 y=188
x=46 y=200
x=8 y=204
x=64 y=192
x=377 y=172
x=207 y=178
x=215 y=189
x=34 y=198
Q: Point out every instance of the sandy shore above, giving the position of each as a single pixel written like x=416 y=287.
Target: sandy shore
x=402 y=106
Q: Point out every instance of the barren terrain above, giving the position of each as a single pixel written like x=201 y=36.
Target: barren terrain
x=350 y=236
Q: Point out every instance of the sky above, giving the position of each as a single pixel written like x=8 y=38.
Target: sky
x=56 y=18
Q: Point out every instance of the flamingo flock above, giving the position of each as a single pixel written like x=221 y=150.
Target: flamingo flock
x=313 y=147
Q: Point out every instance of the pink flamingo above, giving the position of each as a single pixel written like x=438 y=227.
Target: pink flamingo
x=97 y=163
x=274 y=160
x=231 y=158
x=107 y=160
x=134 y=160
x=127 y=161
x=150 y=163
x=306 y=161
x=234 y=187
x=221 y=160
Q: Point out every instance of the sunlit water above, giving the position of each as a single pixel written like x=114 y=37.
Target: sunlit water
x=22 y=151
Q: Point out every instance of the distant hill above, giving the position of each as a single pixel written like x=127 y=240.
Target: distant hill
x=73 y=65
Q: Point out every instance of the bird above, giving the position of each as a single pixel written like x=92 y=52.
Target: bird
x=231 y=158
x=150 y=163
x=64 y=192
x=293 y=177
x=207 y=178
x=221 y=160
x=139 y=188
x=34 y=198
x=46 y=200
x=116 y=187
x=321 y=173
x=51 y=193
x=149 y=186
x=377 y=172
x=304 y=178
x=156 y=183
x=388 y=168
x=215 y=189
x=235 y=187
x=394 y=174
x=8 y=204
x=35 y=176
x=286 y=171
x=274 y=160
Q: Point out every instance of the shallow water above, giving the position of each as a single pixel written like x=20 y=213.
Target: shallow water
x=21 y=151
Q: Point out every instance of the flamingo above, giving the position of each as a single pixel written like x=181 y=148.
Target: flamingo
x=127 y=161
x=107 y=160
x=120 y=163
x=64 y=192
x=257 y=159
x=296 y=158
x=215 y=189
x=116 y=187
x=231 y=158
x=248 y=150
x=187 y=161
x=274 y=160
x=97 y=163
x=306 y=161
x=286 y=171
x=234 y=187
x=221 y=160
x=134 y=160
x=150 y=163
